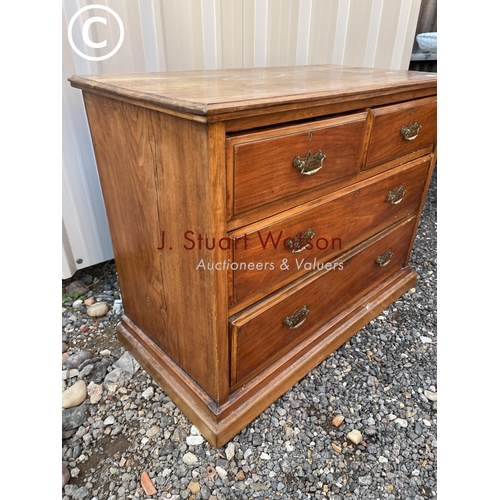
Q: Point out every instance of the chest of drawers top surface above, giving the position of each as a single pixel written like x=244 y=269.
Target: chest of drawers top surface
x=214 y=92
x=254 y=168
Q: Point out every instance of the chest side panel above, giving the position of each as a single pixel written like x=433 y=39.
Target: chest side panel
x=159 y=175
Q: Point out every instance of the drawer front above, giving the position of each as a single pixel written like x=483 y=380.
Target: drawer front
x=320 y=232
x=401 y=129
x=276 y=164
x=265 y=333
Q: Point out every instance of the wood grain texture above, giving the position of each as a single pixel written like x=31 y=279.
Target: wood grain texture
x=191 y=163
x=359 y=212
x=263 y=161
x=124 y=146
x=262 y=335
x=244 y=120
x=285 y=204
x=191 y=157
x=226 y=91
x=154 y=170
x=386 y=141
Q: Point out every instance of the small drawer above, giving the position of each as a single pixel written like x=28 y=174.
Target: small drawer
x=275 y=164
x=319 y=231
x=263 y=333
x=401 y=129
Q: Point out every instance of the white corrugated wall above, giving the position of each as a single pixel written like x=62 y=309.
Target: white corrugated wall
x=173 y=35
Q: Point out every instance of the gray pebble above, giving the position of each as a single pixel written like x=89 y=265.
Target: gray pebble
x=77 y=288
x=86 y=371
x=365 y=480
x=76 y=359
x=402 y=422
x=81 y=493
x=74 y=417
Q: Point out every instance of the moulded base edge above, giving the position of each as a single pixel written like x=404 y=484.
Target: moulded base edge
x=218 y=424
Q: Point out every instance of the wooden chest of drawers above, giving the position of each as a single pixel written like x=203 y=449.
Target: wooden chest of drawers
x=259 y=218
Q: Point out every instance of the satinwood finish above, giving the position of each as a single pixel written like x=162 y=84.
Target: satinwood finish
x=192 y=163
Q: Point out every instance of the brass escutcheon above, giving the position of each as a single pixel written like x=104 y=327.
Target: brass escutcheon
x=300 y=242
x=384 y=259
x=410 y=131
x=310 y=164
x=396 y=195
x=297 y=318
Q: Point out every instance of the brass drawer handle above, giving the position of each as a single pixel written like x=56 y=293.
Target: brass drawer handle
x=396 y=195
x=410 y=131
x=297 y=318
x=384 y=259
x=300 y=242
x=309 y=164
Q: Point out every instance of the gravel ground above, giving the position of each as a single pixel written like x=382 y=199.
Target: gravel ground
x=382 y=382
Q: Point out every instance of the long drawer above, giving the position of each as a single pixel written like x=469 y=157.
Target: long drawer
x=269 y=255
x=275 y=164
x=263 y=333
